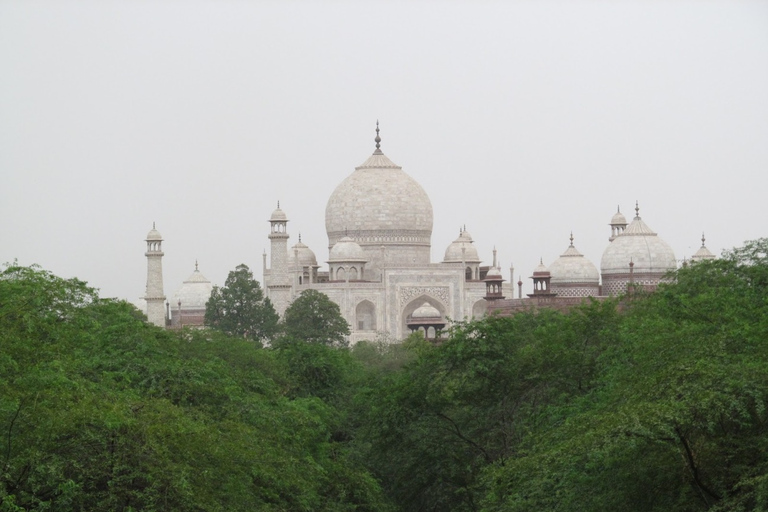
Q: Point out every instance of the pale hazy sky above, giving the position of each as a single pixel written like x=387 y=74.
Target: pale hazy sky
x=523 y=120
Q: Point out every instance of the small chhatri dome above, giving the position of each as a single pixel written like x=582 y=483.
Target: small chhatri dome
x=278 y=214
x=618 y=218
x=347 y=250
x=154 y=234
x=572 y=268
x=307 y=257
x=194 y=292
x=426 y=310
x=453 y=253
x=541 y=269
x=494 y=274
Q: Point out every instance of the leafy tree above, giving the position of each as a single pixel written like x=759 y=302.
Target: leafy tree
x=315 y=318
x=101 y=411
x=240 y=309
x=677 y=420
x=466 y=405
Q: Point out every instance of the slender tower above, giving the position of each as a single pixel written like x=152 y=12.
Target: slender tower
x=279 y=283
x=155 y=297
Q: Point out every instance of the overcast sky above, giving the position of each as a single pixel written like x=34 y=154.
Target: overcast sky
x=523 y=121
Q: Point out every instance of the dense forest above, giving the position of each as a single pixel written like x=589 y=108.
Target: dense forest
x=650 y=402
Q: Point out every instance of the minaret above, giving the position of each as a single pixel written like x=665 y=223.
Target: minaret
x=279 y=283
x=155 y=297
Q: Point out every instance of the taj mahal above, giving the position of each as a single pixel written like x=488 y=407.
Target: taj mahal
x=379 y=226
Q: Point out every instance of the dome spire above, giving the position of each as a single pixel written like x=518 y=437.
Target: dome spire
x=377 y=140
x=703 y=239
x=195 y=265
x=571 y=238
x=637 y=210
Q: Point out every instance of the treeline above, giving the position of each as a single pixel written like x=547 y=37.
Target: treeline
x=651 y=403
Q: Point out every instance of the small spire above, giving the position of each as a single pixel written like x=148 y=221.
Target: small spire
x=377 y=140
x=618 y=208
x=703 y=238
x=195 y=265
x=153 y=224
x=571 y=238
x=278 y=204
x=299 y=236
x=637 y=209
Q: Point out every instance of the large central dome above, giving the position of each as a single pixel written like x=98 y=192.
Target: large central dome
x=384 y=210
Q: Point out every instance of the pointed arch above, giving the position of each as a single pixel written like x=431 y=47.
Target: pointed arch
x=365 y=316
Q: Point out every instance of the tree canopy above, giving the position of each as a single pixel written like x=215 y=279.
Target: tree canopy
x=315 y=318
x=101 y=411
x=239 y=308
x=648 y=403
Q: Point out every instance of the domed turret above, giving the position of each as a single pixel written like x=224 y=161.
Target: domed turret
x=573 y=275
x=347 y=260
x=306 y=257
x=463 y=250
x=453 y=254
x=652 y=258
x=347 y=250
x=278 y=215
x=427 y=318
x=380 y=206
x=154 y=234
x=618 y=224
x=541 y=281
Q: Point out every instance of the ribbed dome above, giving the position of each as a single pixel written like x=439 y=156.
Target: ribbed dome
x=307 y=257
x=453 y=252
x=194 y=292
x=379 y=204
x=573 y=267
x=347 y=249
x=426 y=310
x=641 y=245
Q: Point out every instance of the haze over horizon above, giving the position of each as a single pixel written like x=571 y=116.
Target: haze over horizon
x=524 y=121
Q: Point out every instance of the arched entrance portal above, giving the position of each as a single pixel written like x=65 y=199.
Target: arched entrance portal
x=412 y=306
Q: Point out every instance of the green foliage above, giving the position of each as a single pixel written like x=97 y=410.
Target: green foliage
x=314 y=318
x=100 y=411
x=240 y=309
x=469 y=403
x=677 y=420
x=657 y=403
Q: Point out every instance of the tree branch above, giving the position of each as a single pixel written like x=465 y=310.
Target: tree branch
x=458 y=433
